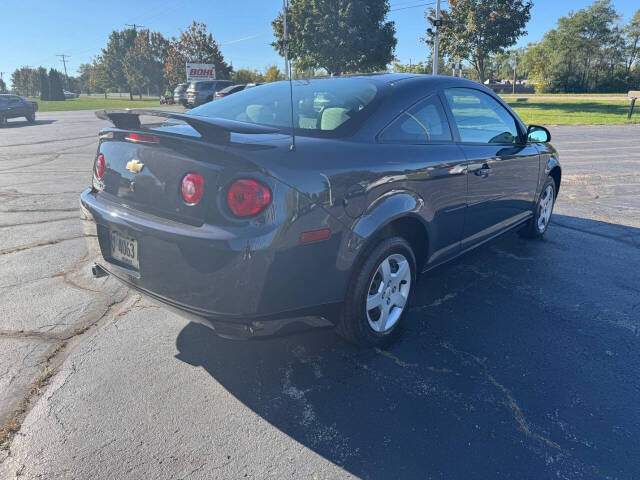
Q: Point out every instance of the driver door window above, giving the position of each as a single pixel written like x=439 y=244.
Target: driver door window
x=480 y=118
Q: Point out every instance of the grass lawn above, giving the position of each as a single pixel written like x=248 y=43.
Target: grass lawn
x=574 y=111
x=94 y=103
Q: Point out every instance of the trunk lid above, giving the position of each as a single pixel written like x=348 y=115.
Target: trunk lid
x=148 y=176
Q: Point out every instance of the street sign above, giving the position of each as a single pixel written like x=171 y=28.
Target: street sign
x=200 y=71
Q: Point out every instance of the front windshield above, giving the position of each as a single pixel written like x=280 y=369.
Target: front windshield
x=320 y=106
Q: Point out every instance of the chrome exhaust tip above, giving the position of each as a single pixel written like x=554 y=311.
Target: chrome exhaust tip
x=97 y=271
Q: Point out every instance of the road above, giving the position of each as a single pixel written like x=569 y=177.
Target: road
x=519 y=360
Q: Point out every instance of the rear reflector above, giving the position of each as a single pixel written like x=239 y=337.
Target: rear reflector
x=141 y=138
x=99 y=166
x=192 y=188
x=315 y=236
x=247 y=197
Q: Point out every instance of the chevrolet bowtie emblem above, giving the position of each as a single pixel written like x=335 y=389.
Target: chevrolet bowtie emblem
x=134 y=166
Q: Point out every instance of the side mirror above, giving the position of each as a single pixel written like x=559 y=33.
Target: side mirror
x=538 y=134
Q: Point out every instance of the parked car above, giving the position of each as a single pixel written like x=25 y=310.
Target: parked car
x=229 y=219
x=203 y=91
x=68 y=94
x=225 y=92
x=180 y=94
x=14 y=106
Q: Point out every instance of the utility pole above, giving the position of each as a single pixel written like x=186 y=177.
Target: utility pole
x=436 y=44
x=133 y=25
x=64 y=62
x=515 y=65
x=285 y=10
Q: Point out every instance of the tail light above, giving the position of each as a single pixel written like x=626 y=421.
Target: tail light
x=192 y=188
x=99 y=166
x=248 y=197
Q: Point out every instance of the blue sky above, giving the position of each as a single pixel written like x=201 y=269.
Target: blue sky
x=41 y=29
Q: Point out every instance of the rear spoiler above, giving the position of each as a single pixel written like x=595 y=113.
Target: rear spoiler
x=213 y=129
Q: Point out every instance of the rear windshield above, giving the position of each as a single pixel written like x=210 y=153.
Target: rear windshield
x=322 y=107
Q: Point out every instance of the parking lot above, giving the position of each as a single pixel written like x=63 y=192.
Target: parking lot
x=520 y=360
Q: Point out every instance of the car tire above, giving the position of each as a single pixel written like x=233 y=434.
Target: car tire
x=539 y=223
x=3 y=121
x=378 y=294
x=31 y=118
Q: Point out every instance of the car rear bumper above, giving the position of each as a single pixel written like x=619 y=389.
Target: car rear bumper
x=210 y=274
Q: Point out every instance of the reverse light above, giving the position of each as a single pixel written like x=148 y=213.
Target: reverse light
x=192 y=188
x=247 y=197
x=99 y=166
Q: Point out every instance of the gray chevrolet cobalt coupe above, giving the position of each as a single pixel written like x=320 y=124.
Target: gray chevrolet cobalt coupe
x=322 y=203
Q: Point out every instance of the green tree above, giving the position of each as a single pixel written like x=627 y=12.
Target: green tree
x=144 y=63
x=45 y=93
x=97 y=78
x=632 y=42
x=55 y=85
x=585 y=53
x=273 y=74
x=474 y=30
x=338 y=35
x=3 y=86
x=84 y=70
x=195 y=44
x=112 y=59
x=247 y=76
x=25 y=81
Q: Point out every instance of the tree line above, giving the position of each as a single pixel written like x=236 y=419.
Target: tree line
x=140 y=61
x=589 y=50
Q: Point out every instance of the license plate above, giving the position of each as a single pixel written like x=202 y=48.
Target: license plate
x=124 y=249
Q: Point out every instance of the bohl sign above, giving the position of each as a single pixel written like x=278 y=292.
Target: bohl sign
x=200 y=71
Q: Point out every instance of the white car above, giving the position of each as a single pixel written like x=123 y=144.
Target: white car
x=70 y=94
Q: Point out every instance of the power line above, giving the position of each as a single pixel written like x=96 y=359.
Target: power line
x=134 y=25
x=412 y=6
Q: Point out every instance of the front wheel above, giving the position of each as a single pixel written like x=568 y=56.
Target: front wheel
x=3 y=121
x=378 y=294
x=539 y=223
x=31 y=117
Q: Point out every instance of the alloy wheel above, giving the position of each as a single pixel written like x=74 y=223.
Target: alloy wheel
x=388 y=293
x=545 y=209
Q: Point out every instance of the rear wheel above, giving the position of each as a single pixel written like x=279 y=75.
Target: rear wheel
x=378 y=294
x=3 y=121
x=537 y=226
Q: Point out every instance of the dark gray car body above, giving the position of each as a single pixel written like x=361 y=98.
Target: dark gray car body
x=15 y=106
x=243 y=275
x=204 y=91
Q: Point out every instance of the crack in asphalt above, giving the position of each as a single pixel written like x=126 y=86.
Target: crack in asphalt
x=41 y=210
x=518 y=415
x=52 y=362
x=39 y=222
x=48 y=141
x=7 y=251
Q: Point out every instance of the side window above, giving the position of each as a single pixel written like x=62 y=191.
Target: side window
x=423 y=123
x=479 y=118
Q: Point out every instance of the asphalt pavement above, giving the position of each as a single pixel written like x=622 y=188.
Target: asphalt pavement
x=519 y=360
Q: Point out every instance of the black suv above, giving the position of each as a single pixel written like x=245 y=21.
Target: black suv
x=12 y=106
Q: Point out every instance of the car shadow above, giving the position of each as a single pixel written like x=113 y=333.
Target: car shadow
x=11 y=123
x=499 y=372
